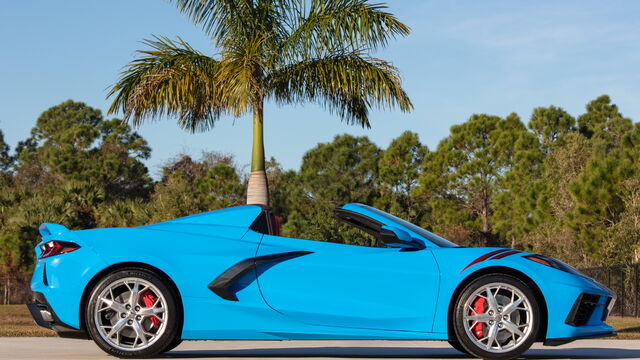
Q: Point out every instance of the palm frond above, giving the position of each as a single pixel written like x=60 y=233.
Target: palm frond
x=221 y=19
x=236 y=23
x=347 y=83
x=341 y=24
x=172 y=79
x=286 y=50
x=241 y=72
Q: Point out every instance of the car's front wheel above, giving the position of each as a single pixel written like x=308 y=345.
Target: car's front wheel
x=456 y=345
x=496 y=317
x=132 y=313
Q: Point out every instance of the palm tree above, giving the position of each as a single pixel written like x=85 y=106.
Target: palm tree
x=285 y=51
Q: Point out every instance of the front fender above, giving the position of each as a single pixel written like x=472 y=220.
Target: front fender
x=559 y=289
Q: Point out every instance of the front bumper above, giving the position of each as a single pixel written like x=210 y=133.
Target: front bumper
x=586 y=319
x=44 y=316
x=562 y=341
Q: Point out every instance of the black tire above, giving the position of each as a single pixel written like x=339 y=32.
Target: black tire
x=171 y=325
x=519 y=343
x=176 y=342
x=456 y=345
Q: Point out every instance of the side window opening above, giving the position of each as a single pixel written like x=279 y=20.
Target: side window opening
x=266 y=223
x=356 y=229
x=260 y=224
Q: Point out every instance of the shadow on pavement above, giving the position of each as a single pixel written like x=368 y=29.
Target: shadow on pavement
x=400 y=352
x=349 y=352
x=583 y=353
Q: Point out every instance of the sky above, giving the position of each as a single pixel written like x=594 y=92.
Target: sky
x=461 y=58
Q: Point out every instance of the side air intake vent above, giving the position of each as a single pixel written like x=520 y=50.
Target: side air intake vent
x=582 y=309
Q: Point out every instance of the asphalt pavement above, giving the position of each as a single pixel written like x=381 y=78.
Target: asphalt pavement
x=56 y=348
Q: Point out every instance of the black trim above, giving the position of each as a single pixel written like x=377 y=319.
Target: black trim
x=357 y=220
x=562 y=341
x=263 y=223
x=45 y=281
x=260 y=224
x=223 y=283
x=390 y=239
x=64 y=331
x=582 y=309
x=34 y=309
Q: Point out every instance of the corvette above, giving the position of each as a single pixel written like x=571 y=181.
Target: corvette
x=228 y=274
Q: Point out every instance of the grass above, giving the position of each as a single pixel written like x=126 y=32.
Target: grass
x=15 y=320
x=628 y=328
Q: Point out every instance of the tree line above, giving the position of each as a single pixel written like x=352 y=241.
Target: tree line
x=562 y=185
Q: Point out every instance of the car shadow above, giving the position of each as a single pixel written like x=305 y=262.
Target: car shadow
x=583 y=353
x=398 y=352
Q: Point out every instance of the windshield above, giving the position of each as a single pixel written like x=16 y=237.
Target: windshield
x=442 y=242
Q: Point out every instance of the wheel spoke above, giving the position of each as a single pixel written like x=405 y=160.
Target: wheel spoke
x=135 y=291
x=512 y=307
x=493 y=303
x=151 y=311
x=512 y=328
x=112 y=304
x=140 y=333
x=117 y=327
x=472 y=325
x=493 y=333
x=483 y=318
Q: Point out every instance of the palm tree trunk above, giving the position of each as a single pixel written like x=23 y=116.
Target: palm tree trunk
x=257 y=189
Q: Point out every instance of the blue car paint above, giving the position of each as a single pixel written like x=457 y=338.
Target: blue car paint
x=336 y=292
x=351 y=286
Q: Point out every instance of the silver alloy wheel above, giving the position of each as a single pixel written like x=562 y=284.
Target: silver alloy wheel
x=505 y=320
x=131 y=314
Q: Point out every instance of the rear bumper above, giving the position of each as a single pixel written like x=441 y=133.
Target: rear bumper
x=44 y=316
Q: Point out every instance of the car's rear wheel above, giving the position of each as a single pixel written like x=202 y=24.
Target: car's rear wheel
x=496 y=317
x=132 y=313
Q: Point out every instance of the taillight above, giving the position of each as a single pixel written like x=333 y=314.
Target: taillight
x=56 y=247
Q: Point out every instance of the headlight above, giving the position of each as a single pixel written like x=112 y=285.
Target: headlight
x=555 y=263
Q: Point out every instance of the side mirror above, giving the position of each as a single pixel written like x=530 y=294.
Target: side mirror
x=398 y=238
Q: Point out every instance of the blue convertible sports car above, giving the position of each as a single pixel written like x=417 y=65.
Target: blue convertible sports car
x=227 y=274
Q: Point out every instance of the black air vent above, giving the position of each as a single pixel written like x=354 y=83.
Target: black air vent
x=582 y=309
x=45 y=281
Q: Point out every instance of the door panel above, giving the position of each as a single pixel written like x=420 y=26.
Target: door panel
x=351 y=286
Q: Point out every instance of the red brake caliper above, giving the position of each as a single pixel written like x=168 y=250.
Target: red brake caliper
x=478 y=308
x=148 y=300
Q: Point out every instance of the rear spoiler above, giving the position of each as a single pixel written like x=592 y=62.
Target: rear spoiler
x=48 y=229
